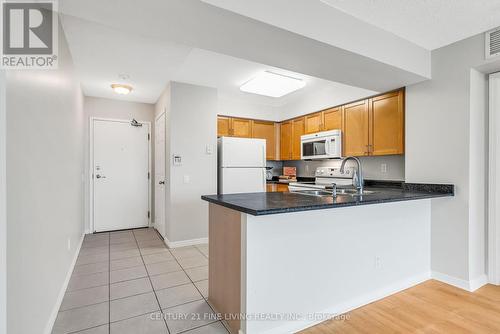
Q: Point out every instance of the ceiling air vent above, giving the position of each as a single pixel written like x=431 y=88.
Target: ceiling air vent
x=492 y=39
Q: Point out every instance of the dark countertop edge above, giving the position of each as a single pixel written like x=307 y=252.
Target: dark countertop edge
x=407 y=186
x=266 y=212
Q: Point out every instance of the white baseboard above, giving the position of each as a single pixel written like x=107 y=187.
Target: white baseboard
x=470 y=286
x=478 y=282
x=184 y=243
x=296 y=326
x=456 y=282
x=57 y=306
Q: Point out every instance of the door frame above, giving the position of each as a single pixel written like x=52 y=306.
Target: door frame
x=493 y=181
x=91 y=166
x=163 y=113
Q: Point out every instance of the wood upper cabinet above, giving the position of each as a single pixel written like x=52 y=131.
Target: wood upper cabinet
x=241 y=127
x=374 y=126
x=387 y=124
x=313 y=122
x=332 y=119
x=355 y=129
x=266 y=130
x=234 y=127
x=248 y=128
x=223 y=126
x=298 y=130
x=286 y=141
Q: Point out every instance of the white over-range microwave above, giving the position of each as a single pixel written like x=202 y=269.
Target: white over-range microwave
x=321 y=145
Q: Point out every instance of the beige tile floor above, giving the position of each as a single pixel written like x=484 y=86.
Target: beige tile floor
x=129 y=282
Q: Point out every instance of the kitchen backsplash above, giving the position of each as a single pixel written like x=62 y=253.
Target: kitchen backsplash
x=373 y=167
x=277 y=167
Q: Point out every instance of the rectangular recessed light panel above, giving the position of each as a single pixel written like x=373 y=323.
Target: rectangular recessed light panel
x=272 y=84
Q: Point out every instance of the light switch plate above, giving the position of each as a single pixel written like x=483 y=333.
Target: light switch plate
x=187 y=179
x=208 y=149
x=176 y=160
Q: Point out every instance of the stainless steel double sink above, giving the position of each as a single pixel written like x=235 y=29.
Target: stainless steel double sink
x=340 y=192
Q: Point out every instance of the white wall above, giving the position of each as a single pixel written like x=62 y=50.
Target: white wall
x=478 y=171
x=334 y=95
x=395 y=165
x=113 y=109
x=325 y=261
x=3 y=213
x=445 y=129
x=493 y=179
x=231 y=106
x=45 y=140
x=191 y=125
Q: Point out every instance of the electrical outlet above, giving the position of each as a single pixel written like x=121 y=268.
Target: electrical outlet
x=208 y=149
x=187 y=179
x=383 y=168
x=69 y=244
x=378 y=262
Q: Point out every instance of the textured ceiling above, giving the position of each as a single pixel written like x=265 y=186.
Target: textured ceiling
x=427 y=23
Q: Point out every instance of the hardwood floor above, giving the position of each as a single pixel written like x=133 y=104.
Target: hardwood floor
x=431 y=307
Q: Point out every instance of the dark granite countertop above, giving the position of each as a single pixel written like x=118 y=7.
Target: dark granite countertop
x=266 y=203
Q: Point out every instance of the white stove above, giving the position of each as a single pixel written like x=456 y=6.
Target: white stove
x=325 y=179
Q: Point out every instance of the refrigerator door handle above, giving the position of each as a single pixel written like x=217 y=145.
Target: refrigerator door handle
x=264 y=179
x=264 y=155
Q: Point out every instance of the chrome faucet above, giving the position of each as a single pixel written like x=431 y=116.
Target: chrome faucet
x=357 y=178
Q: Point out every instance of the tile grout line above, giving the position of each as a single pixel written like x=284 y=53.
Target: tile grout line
x=137 y=294
x=206 y=299
x=203 y=297
x=174 y=258
x=150 y=282
x=109 y=284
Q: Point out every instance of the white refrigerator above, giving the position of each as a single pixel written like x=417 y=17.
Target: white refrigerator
x=241 y=165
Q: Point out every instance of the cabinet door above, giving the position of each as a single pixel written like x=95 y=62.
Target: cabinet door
x=223 y=126
x=286 y=141
x=387 y=124
x=355 y=129
x=283 y=188
x=265 y=130
x=241 y=127
x=332 y=119
x=313 y=123
x=297 y=131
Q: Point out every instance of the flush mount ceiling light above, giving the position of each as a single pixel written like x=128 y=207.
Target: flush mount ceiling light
x=272 y=84
x=121 y=89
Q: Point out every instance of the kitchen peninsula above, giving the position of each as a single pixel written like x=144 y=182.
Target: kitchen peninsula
x=295 y=257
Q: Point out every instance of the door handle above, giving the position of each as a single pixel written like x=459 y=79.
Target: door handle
x=161 y=182
x=100 y=176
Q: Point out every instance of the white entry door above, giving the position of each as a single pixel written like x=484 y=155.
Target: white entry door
x=120 y=175
x=160 y=174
